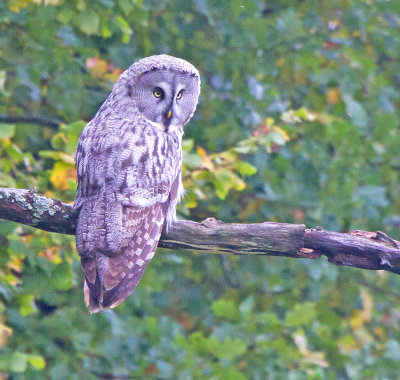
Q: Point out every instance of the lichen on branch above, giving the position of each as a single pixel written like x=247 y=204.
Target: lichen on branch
x=359 y=249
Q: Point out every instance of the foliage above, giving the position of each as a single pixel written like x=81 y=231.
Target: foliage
x=298 y=122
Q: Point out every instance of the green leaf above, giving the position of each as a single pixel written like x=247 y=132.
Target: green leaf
x=7 y=180
x=89 y=22
x=27 y=304
x=230 y=348
x=58 y=141
x=231 y=373
x=356 y=111
x=105 y=29
x=304 y=114
x=18 y=247
x=37 y=361
x=187 y=145
x=7 y=227
x=126 y=6
x=7 y=131
x=284 y=349
x=225 y=309
x=385 y=125
x=301 y=314
x=62 y=277
x=18 y=362
x=72 y=132
x=224 y=180
x=192 y=160
x=15 y=153
x=125 y=28
x=244 y=168
x=270 y=320
x=66 y=14
x=50 y=154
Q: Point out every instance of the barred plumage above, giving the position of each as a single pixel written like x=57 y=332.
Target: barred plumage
x=129 y=160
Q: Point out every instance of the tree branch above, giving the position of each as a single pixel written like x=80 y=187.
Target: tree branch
x=28 y=120
x=360 y=249
x=32 y=209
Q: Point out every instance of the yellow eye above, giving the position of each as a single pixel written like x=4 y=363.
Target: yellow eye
x=157 y=93
x=180 y=93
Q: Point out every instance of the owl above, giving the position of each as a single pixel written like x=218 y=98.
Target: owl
x=129 y=162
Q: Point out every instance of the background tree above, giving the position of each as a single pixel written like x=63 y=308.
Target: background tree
x=298 y=122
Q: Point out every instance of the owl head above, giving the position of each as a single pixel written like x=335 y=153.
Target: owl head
x=165 y=89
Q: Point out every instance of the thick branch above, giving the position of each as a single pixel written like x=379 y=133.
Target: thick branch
x=32 y=209
x=360 y=249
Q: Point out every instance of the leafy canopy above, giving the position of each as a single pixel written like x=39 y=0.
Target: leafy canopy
x=298 y=122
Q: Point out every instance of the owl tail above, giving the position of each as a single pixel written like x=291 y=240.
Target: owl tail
x=91 y=302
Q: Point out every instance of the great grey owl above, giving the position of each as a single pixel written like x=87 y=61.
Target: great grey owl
x=129 y=160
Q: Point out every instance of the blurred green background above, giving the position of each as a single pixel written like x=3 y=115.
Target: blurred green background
x=298 y=122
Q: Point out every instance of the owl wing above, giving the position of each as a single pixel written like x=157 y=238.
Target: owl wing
x=110 y=279
x=119 y=226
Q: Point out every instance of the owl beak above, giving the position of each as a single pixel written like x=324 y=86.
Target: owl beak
x=169 y=114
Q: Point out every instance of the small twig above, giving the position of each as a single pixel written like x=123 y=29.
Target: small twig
x=28 y=120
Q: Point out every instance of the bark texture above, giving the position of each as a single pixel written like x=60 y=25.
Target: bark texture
x=359 y=249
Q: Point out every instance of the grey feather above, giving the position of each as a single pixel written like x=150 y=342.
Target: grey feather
x=129 y=160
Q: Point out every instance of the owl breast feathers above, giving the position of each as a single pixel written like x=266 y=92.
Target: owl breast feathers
x=129 y=160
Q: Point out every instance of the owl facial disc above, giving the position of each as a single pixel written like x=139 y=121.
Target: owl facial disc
x=167 y=97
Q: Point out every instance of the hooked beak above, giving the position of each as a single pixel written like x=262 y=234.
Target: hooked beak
x=169 y=114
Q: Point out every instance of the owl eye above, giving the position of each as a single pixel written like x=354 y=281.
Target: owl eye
x=158 y=93
x=180 y=93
